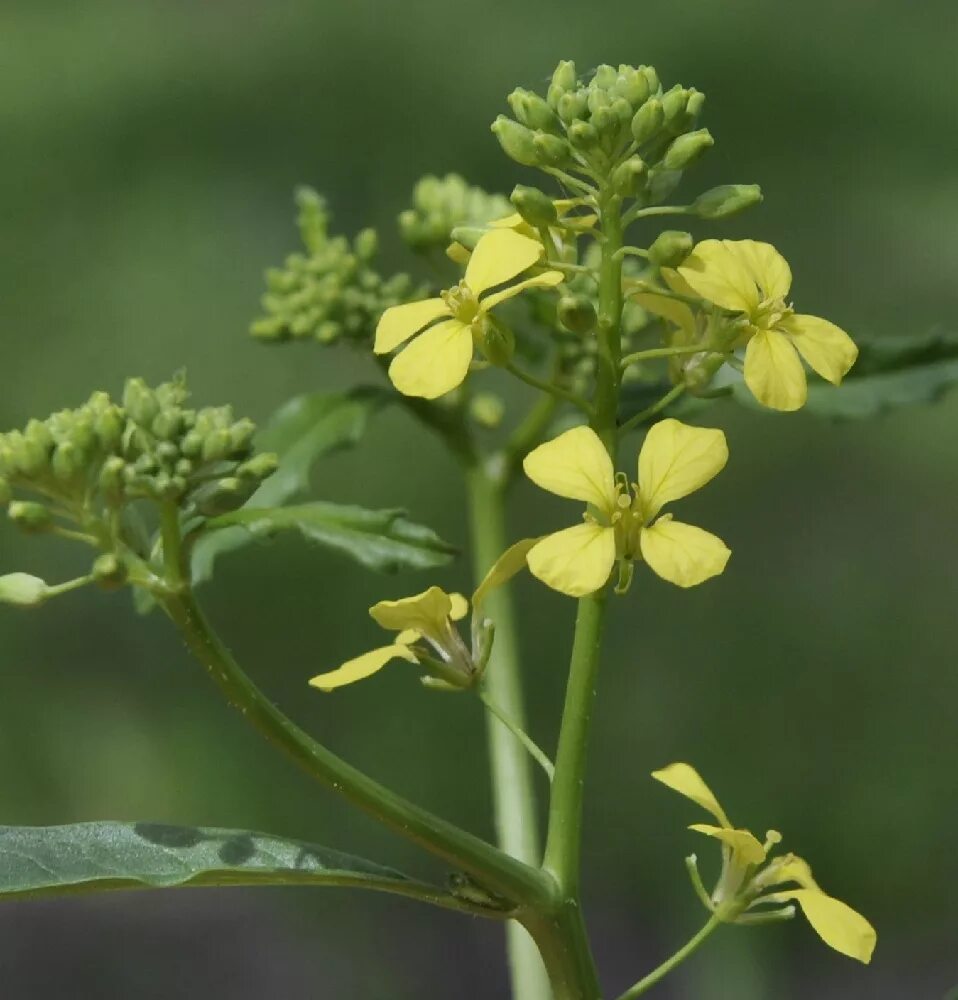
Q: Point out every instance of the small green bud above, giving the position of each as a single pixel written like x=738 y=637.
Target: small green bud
x=674 y=102
x=259 y=467
x=167 y=425
x=662 y=183
x=31 y=450
x=652 y=76
x=516 y=141
x=694 y=105
x=583 y=136
x=108 y=426
x=468 y=236
x=192 y=444
x=726 y=200
x=67 y=461
x=605 y=76
x=496 y=342
x=487 y=410
x=577 y=314
x=622 y=110
x=686 y=149
x=108 y=571
x=23 y=590
x=536 y=207
x=647 y=120
x=532 y=111
x=33 y=518
x=111 y=479
x=183 y=468
x=564 y=76
x=573 y=106
x=140 y=402
x=552 y=151
x=598 y=99
x=670 y=248
x=217 y=446
x=633 y=86
x=227 y=494
x=241 y=436
x=366 y=244
x=628 y=178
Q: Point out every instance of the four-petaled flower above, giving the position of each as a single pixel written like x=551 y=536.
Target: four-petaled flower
x=623 y=524
x=438 y=359
x=427 y=617
x=748 y=875
x=751 y=278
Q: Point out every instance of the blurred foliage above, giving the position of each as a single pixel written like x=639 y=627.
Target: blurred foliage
x=150 y=151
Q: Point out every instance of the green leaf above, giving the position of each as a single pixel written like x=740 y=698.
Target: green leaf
x=90 y=857
x=378 y=539
x=300 y=432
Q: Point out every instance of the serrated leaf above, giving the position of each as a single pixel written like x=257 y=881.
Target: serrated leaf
x=93 y=857
x=300 y=432
x=382 y=540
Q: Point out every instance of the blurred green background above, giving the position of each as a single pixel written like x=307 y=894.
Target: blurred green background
x=149 y=154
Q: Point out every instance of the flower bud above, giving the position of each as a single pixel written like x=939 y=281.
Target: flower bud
x=694 y=105
x=468 y=236
x=673 y=103
x=23 y=590
x=217 y=445
x=487 y=410
x=111 y=479
x=670 y=248
x=686 y=149
x=726 y=200
x=140 y=402
x=647 y=120
x=108 y=571
x=227 y=494
x=633 y=86
x=553 y=151
x=366 y=244
x=573 y=106
x=167 y=425
x=33 y=518
x=628 y=178
x=583 y=136
x=67 y=461
x=108 y=426
x=652 y=76
x=241 y=437
x=564 y=76
x=516 y=141
x=536 y=207
x=605 y=76
x=577 y=313
x=662 y=183
x=496 y=342
x=532 y=111
x=259 y=467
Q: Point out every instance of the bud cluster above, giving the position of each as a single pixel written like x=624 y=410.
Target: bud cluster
x=439 y=205
x=331 y=291
x=86 y=464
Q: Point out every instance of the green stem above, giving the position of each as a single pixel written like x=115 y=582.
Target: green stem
x=638 y=418
x=526 y=436
x=550 y=387
x=532 y=748
x=662 y=352
x=644 y=985
x=514 y=798
x=644 y=213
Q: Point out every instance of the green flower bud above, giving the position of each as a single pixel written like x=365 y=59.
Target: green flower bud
x=583 y=136
x=573 y=106
x=468 y=236
x=241 y=437
x=33 y=518
x=633 y=85
x=259 y=467
x=552 y=151
x=674 y=102
x=111 y=479
x=496 y=342
x=647 y=120
x=516 y=141
x=686 y=149
x=726 y=200
x=67 y=461
x=226 y=494
x=192 y=444
x=108 y=426
x=628 y=178
x=532 y=111
x=662 y=183
x=597 y=99
x=564 y=76
x=536 y=207
x=23 y=590
x=167 y=425
x=577 y=313
x=140 y=402
x=694 y=105
x=670 y=248
x=366 y=244
x=652 y=76
x=108 y=571
x=487 y=410
x=217 y=446
x=605 y=76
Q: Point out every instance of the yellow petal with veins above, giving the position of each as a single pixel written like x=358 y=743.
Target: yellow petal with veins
x=765 y=265
x=500 y=255
x=835 y=922
x=435 y=363
x=504 y=569
x=677 y=460
x=681 y=553
x=773 y=371
x=548 y=279
x=746 y=848
x=399 y=323
x=684 y=779
x=427 y=612
x=574 y=465
x=677 y=313
x=362 y=666
x=577 y=561
x=826 y=347
x=713 y=272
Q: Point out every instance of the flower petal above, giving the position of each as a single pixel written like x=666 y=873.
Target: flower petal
x=791 y=868
x=459 y=607
x=677 y=313
x=577 y=561
x=504 y=569
x=826 y=347
x=677 y=460
x=681 y=553
x=835 y=922
x=766 y=266
x=684 y=779
x=362 y=667
x=716 y=273
x=574 y=465
x=548 y=279
x=399 y=323
x=427 y=612
x=499 y=256
x=746 y=848
x=773 y=371
x=435 y=363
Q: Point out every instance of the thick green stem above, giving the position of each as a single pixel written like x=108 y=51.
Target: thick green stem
x=514 y=798
x=644 y=985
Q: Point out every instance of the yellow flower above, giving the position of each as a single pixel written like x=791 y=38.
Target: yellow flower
x=748 y=873
x=426 y=617
x=675 y=460
x=753 y=278
x=438 y=359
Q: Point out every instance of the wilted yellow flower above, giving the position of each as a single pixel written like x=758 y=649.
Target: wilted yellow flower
x=753 y=278
x=748 y=873
x=625 y=525
x=438 y=359
x=426 y=617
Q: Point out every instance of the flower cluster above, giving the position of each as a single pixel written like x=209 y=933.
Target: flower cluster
x=331 y=292
x=751 y=877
